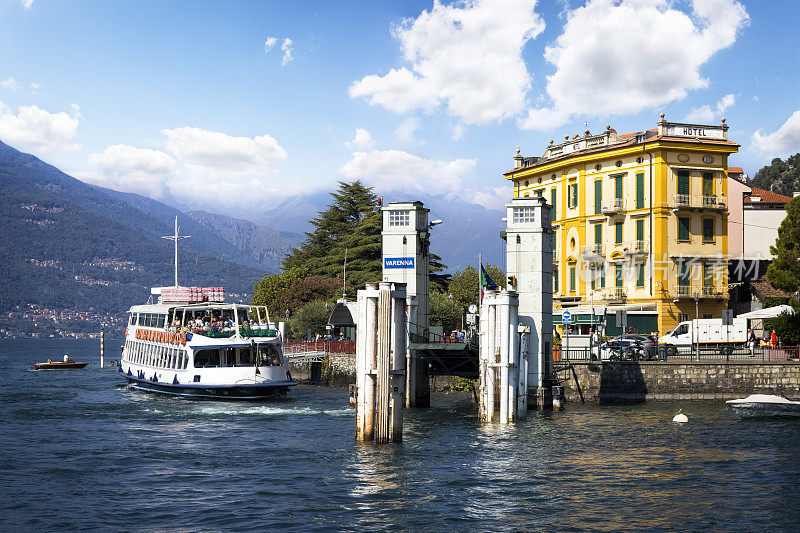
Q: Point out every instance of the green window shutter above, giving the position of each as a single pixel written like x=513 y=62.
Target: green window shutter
x=572 y=279
x=618 y=233
x=593 y=275
x=598 y=234
x=708 y=230
x=708 y=275
x=555 y=280
x=684 y=274
x=553 y=203
x=574 y=195
x=683 y=182
x=683 y=229
x=618 y=275
x=598 y=196
x=603 y=277
x=708 y=183
x=640 y=190
x=640 y=275
x=640 y=230
x=618 y=187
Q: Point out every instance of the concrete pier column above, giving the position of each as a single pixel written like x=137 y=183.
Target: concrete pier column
x=380 y=362
x=490 y=367
x=505 y=356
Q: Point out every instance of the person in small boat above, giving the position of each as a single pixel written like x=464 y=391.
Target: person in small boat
x=49 y=360
x=66 y=358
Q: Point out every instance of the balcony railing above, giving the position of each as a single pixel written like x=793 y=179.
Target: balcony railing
x=614 y=294
x=683 y=291
x=616 y=205
x=636 y=247
x=710 y=291
x=686 y=201
x=593 y=253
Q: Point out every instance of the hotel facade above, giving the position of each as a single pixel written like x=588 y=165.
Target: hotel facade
x=639 y=220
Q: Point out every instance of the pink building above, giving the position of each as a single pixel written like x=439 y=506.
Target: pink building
x=737 y=189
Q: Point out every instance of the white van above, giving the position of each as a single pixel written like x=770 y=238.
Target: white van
x=707 y=331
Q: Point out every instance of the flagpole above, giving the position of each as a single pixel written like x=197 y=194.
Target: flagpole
x=480 y=281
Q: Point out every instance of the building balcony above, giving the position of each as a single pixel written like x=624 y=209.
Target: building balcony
x=706 y=201
x=714 y=202
x=613 y=207
x=593 y=253
x=683 y=291
x=614 y=294
x=635 y=248
x=712 y=292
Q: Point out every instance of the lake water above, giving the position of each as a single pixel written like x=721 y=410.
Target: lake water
x=81 y=451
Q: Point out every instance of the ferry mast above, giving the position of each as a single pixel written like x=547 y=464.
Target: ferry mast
x=175 y=238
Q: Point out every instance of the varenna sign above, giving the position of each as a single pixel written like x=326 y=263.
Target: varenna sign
x=398 y=262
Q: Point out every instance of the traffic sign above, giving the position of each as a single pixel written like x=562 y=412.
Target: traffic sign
x=566 y=317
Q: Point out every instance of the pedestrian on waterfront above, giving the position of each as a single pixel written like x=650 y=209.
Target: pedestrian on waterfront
x=773 y=339
x=751 y=341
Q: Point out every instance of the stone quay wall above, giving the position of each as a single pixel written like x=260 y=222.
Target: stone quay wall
x=338 y=371
x=617 y=382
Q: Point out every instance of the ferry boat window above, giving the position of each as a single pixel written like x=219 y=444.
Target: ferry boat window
x=132 y=319
x=206 y=358
x=244 y=356
x=230 y=357
x=185 y=359
x=269 y=355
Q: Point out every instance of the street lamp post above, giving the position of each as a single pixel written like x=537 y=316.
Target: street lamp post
x=696 y=333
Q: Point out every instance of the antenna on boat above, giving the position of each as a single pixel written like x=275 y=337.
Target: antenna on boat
x=175 y=238
x=344 y=280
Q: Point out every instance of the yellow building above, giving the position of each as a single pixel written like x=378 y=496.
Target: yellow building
x=640 y=221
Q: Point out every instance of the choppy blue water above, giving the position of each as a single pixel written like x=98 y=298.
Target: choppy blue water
x=80 y=451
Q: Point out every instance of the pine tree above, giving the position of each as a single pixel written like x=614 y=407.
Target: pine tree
x=350 y=225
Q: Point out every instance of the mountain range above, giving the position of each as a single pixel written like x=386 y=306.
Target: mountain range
x=72 y=245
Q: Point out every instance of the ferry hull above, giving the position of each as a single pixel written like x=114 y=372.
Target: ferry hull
x=220 y=392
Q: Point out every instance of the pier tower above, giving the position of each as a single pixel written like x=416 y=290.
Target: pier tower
x=405 y=239
x=529 y=266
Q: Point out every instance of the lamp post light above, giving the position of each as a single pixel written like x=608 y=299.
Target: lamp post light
x=695 y=334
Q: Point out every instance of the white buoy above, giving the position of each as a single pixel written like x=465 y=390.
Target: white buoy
x=680 y=418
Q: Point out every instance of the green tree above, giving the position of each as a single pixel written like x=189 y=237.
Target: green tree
x=313 y=315
x=782 y=177
x=438 y=281
x=784 y=271
x=464 y=287
x=351 y=226
x=444 y=311
x=292 y=289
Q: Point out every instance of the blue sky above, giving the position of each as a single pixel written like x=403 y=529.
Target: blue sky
x=234 y=106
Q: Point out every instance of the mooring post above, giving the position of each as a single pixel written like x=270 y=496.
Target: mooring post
x=411 y=329
x=380 y=362
x=504 y=356
x=511 y=325
x=399 y=349
x=102 y=347
x=491 y=336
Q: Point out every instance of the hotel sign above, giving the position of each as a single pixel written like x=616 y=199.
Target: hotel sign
x=694 y=130
x=398 y=262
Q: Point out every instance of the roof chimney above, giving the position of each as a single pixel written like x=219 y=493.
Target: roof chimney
x=518 y=159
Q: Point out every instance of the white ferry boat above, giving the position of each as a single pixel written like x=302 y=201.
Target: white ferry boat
x=191 y=343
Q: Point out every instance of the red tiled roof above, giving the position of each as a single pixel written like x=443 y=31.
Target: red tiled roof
x=735 y=170
x=763 y=288
x=634 y=134
x=767 y=197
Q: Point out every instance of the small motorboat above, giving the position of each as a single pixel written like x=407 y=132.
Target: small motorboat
x=59 y=365
x=765 y=405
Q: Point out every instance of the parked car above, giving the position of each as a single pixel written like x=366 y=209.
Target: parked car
x=629 y=348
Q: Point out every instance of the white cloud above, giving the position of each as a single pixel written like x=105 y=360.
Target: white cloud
x=35 y=87
x=785 y=140
x=10 y=83
x=361 y=141
x=27 y=4
x=214 y=152
x=407 y=130
x=393 y=170
x=269 y=43
x=706 y=115
x=624 y=56
x=466 y=56
x=288 y=52
x=491 y=197
x=130 y=169
x=36 y=130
